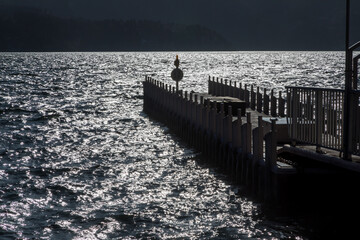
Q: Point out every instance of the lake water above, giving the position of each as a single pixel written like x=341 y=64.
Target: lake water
x=80 y=160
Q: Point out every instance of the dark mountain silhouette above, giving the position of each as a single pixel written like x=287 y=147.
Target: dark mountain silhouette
x=33 y=30
x=248 y=25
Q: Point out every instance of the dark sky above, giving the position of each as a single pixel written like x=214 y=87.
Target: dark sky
x=279 y=24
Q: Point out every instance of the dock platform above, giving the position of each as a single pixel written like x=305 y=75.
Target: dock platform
x=252 y=144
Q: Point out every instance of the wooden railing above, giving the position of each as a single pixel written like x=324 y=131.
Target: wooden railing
x=356 y=122
x=269 y=104
x=247 y=153
x=185 y=109
x=315 y=116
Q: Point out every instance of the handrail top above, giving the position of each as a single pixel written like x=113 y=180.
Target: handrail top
x=357 y=57
x=316 y=88
x=353 y=47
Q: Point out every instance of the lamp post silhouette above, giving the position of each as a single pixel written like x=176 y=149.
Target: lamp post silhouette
x=177 y=74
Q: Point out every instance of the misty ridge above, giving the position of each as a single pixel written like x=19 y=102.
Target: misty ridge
x=24 y=29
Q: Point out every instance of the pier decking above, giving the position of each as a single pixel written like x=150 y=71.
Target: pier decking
x=253 y=149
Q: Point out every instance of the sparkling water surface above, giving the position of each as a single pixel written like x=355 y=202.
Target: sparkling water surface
x=80 y=160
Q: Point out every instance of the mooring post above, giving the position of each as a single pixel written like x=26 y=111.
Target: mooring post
x=181 y=108
x=229 y=89
x=201 y=112
x=229 y=125
x=248 y=133
x=205 y=116
x=281 y=105
x=241 y=92
x=209 y=86
x=216 y=81
x=261 y=136
x=246 y=95
x=220 y=121
x=213 y=113
x=266 y=102
x=259 y=99
x=273 y=104
x=273 y=143
x=226 y=88
x=235 y=90
x=238 y=128
x=186 y=106
x=196 y=118
x=221 y=87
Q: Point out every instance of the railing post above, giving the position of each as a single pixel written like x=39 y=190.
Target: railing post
x=259 y=99
x=248 y=133
x=273 y=143
x=237 y=134
x=220 y=122
x=229 y=89
x=186 y=106
x=318 y=119
x=273 y=104
x=356 y=71
x=258 y=142
x=241 y=92
x=234 y=91
x=212 y=122
x=281 y=105
x=292 y=99
x=190 y=106
x=229 y=125
x=225 y=89
x=253 y=98
x=210 y=86
x=195 y=111
x=246 y=95
x=221 y=87
x=266 y=102
x=217 y=86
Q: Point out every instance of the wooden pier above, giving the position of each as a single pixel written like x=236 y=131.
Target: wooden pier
x=258 y=149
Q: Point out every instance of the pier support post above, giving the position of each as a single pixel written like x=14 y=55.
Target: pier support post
x=273 y=104
x=266 y=102
x=253 y=98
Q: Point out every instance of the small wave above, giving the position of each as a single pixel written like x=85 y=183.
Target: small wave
x=23 y=74
x=125 y=120
x=15 y=109
x=124 y=218
x=138 y=97
x=62 y=68
x=3 y=152
x=61 y=191
x=45 y=117
x=8 y=235
x=12 y=196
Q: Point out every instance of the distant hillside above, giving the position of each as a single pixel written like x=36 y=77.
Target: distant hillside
x=247 y=25
x=31 y=30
